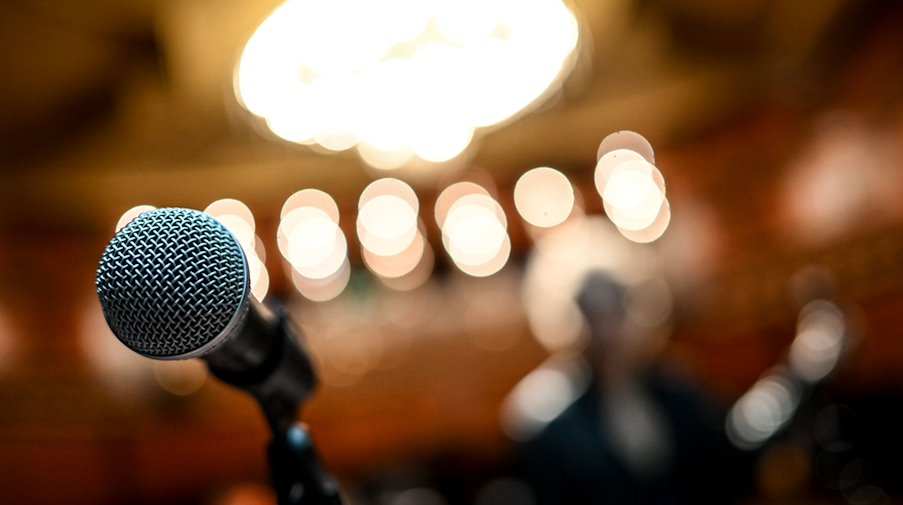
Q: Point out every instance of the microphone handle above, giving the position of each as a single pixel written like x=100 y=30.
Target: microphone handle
x=267 y=361
x=298 y=477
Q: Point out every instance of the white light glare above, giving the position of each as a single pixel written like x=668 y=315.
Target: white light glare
x=543 y=395
x=760 y=413
x=404 y=78
x=325 y=289
x=387 y=217
x=544 y=197
x=131 y=214
x=819 y=342
x=626 y=140
x=398 y=265
x=631 y=187
x=474 y=232
x=309 y=236
x=239 y=220
x=632 y=199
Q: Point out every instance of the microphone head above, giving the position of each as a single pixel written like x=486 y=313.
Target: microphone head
x=173 y=284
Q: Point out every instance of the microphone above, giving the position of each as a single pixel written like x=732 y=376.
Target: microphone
x=174 y=284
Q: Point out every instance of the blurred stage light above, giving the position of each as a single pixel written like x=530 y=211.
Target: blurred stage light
x=260 y=281
x=452 y=194
x=231 y=207
x=309 y=236
x=655 y=230
x=311 y=198
x=387 y=217
x=627 y=140
x=239 y=220
x=606 y=165
x=762 y=411
x=131 y=214
x=124 y=373
x=632 y=198
x=260 y=249
x=544 y=197
x=418 y=276
x=180 y=377
x=325 y=288
x=396 y=265
x=819 y=342
x=475 y=233
x=490 y=266
x=631 y=187
x=543 y=395
x=402 y=80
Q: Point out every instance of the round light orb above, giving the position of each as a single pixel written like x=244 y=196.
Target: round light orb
x=131 y=214
x=626 y=139
x=311 y=198
x=632 y=197
x=606 y=165
x=452 y=194
x=544 y=197
x=324 y=289
x=387 y=217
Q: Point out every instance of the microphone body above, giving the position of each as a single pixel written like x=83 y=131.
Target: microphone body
x=174 y=284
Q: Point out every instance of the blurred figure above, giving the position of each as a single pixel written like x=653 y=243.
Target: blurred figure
x=603 y=421
x=639 y=433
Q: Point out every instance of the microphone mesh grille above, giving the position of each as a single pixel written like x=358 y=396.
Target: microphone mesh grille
x=171 y=282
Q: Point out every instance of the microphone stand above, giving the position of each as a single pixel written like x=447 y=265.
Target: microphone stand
x=280 y=385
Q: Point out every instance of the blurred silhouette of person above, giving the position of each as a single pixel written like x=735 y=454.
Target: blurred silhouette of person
x=639 y=433
x=604 y=420
x=629 y=429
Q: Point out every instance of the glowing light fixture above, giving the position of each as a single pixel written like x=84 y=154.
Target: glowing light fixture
x=402 y=80
x=631 y=187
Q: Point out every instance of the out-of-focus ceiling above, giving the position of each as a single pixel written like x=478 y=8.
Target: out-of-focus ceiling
x=106 y=104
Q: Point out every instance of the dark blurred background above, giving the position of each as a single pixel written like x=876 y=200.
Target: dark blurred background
x=777 y=125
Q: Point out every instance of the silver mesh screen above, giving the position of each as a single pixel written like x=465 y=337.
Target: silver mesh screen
x=173 y=283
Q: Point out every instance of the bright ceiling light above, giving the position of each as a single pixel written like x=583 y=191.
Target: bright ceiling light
x=411 y=79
